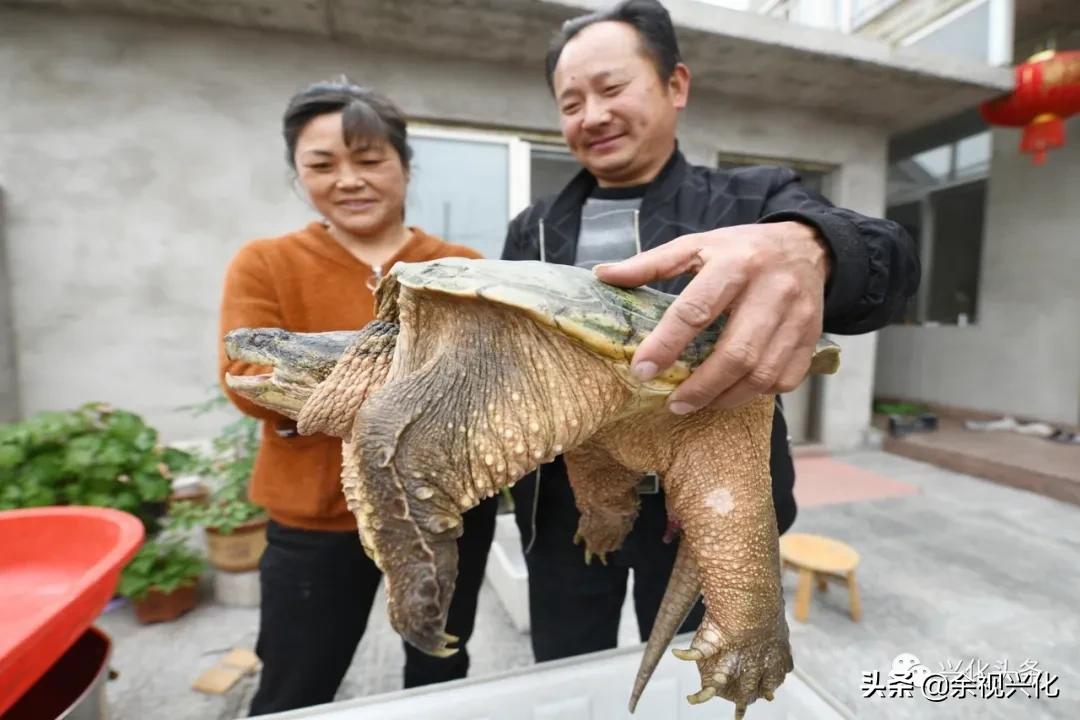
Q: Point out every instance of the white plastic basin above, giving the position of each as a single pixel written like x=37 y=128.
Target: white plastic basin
x=589 y=687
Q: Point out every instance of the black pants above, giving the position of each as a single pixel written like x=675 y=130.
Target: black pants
x=574 y=607
x=317 y=592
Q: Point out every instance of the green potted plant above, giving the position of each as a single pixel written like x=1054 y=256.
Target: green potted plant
x=93 y=455
x=235 y=527
x=161 y=580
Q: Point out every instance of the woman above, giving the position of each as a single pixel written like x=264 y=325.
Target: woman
x=348 y=148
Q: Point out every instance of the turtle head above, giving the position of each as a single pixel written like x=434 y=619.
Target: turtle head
x=298 y=362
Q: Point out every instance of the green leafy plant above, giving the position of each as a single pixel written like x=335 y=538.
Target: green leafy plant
x=164 y=564
x=900 y=408
x=228 y=465
x=93 y=455
x=225 y=511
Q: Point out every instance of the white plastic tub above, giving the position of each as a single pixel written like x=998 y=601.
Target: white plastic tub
x=508 y=575
x=506 y=572
x=589 y=687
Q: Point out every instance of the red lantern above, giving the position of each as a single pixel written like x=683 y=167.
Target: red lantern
x=1047 y=91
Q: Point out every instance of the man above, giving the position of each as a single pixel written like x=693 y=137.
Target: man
x=782 y=261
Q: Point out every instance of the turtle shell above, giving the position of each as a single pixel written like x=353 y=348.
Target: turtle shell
x=609 y=320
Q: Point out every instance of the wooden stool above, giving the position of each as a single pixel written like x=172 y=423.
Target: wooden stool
x=818 y=560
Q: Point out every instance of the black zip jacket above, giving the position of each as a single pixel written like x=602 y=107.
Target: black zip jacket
x=874 y=271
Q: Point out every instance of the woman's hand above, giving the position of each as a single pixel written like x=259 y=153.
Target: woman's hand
x=769 y=278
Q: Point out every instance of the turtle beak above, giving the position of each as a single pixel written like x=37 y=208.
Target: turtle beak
x=298 y=363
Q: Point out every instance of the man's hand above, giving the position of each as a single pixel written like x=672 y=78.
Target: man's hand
x=769 y=277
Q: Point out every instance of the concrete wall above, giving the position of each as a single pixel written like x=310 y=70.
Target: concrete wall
x=9 y=386
x=141 y=155
x=1023 y=355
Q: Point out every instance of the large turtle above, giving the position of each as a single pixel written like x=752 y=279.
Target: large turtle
x=475 y=372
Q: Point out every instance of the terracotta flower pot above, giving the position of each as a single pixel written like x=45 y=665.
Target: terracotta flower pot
x=197 y=494
x=240 y=550
x=157 y=606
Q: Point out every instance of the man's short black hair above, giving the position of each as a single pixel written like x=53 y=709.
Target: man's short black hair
x=648 y=17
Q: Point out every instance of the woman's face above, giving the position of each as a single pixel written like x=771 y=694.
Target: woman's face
x=361 y=189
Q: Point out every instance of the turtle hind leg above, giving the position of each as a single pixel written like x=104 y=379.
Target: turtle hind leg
x=606 y=495
x=719 y=489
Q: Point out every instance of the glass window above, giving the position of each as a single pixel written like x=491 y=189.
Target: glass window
x=459 y=191
x=939 y=196
x=964 y=33
x=550 y=169
x=957 y=252
x=936 y=163
x=973 y=154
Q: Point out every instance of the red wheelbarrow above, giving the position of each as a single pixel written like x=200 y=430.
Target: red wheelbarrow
x=58 y=569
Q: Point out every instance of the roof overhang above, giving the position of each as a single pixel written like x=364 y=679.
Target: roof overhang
x=739 y=55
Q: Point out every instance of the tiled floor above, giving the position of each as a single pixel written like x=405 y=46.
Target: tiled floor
x=962 y=570
x=827 y=481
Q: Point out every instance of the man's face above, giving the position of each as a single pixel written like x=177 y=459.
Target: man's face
x=617 y=116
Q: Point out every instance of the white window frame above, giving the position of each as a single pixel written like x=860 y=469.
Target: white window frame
x=519 y=156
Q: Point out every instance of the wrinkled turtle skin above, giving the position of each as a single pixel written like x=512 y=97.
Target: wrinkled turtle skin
x=475 y=372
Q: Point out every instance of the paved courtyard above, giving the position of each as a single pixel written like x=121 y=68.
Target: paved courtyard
x=954 y=569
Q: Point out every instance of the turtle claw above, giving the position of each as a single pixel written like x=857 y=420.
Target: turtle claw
x=743 y=673
x=444 y=652
x=425 y=637
x=418 y=600
x=600 y=535
x=690 y=654
x=703 y=695
x=601 y=556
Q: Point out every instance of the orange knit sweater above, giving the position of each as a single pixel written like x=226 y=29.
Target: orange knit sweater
x=305 y=282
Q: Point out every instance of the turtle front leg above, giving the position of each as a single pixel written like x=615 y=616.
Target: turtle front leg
x=408 y=526
x=720 y=490
x=464 y=412
x=606 y=495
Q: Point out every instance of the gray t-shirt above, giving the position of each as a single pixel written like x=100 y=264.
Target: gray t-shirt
x=607 y=231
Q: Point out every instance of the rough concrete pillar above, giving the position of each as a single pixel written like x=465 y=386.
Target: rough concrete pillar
x=847 y=397
x=9 y=387
x=845 y=409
